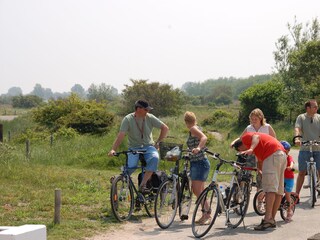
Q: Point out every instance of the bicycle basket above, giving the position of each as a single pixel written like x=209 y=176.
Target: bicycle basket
x=170 y=151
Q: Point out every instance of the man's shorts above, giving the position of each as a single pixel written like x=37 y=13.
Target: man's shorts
x=151 y=156
x=304 y=156
x=273 y=172
x=288 y=184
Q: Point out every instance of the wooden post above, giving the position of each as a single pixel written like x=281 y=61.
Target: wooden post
x=9 y=136
x=28 y=148
x=51 y=140
x=57 y=206
x=1 y=132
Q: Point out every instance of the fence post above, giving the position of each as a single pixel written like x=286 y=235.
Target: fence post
x=1 y=133
x=28 y=148
x=57 y=206
x=9 y=136
x=51 y=140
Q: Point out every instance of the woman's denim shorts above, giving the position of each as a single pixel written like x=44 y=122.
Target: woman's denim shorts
x=199 y=170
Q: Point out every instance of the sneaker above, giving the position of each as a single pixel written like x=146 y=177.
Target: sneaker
x=289 y=216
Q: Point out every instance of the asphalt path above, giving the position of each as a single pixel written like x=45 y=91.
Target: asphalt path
x=305 y=224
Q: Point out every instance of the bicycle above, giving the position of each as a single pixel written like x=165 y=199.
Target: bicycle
x=174 y=193
x=313 y=178
x=123 y=190
x=234 y=205
x=260 y=209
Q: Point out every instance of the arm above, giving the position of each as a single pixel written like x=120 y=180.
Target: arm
x=254 y=142
x=297 y=132
x=244 y=131
x=272 y=132
x=116 y=143
x=200 y=135
x=164 y=129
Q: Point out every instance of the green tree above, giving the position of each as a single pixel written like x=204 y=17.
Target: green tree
x=73 y=112
x=297 y=61
x=28 y=101
x=264 y=96
x=165 y=100
x=102 y=92
x=79 y=90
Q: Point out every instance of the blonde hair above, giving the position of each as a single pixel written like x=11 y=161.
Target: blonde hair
x=258 y=113
x=190 y=117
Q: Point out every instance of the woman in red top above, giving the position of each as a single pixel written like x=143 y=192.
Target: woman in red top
x=269 y=150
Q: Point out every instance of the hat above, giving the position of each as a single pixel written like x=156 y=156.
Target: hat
x=143 y=104
x=286 y=145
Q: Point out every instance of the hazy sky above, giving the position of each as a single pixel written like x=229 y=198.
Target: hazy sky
x=59 y=43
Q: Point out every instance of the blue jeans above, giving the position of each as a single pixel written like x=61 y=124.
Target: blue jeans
x=151 y=156
x=304 y=157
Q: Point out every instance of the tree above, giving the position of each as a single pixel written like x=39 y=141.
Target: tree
x=102 y=92
x=14 y=91
x=28 y=101
x=264 y=96
x=165 y=100
x=79 y=90
x=44 y=93
x=73 y=112
x=298 y=63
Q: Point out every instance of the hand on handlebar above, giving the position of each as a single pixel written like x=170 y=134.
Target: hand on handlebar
x=111 y=153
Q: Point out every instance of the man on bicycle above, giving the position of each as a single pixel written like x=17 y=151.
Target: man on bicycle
x=308 y=126
x=270 y=151
x=138 y=126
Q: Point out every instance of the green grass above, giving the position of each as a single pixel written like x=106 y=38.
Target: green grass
x=81 y=168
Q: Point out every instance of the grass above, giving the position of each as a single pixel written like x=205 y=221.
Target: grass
x=81 y=168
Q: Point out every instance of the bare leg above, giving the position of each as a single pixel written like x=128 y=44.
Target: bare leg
x=300 y=180
x=146 y=177
x=270 y=201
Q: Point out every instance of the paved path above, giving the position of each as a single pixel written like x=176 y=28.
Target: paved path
x=305 y=224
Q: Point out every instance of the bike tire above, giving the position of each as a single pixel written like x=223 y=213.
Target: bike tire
x=313 y=196
x=185 y=198
x=237 y=204
x=166 y=204
x=259 y=195
x=121 y=197
x=211 y=195
x=284 y=206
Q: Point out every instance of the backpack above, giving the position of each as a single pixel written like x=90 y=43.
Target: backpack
x=155 y=181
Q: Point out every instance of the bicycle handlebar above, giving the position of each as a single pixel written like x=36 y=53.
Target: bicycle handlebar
x=232 y=163
x=129 y=151
x=306 y=143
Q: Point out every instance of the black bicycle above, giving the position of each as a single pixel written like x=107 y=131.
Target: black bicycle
x=123 y=190
x=259 y=204
x=233 y=203
x=174 y=193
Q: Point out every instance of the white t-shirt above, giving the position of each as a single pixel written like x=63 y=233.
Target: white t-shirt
x=263 y=129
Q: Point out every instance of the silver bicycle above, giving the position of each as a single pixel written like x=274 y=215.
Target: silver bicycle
x=312 y=173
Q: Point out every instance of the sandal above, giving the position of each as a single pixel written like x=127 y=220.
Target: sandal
x=264 y=225
x=204 y=220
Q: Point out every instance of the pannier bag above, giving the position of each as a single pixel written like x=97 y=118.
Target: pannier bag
x=154 y=182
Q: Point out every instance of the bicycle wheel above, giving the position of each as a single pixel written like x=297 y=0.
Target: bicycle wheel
x=185 y=198
x=312 y=176
x=259 y=203
x=148 y=202
x=166 y=204
x=121 y=198
x=207 y=201
x=284 y=206
x=237 y=204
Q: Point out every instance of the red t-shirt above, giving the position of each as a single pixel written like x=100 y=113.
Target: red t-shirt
x=289 y=173
x=267 y=144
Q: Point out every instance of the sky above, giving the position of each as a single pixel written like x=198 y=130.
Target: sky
x=60 y=43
